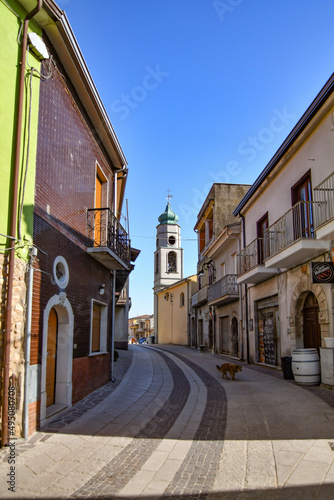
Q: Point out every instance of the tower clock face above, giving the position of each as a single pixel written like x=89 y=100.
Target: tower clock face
x=171 y=240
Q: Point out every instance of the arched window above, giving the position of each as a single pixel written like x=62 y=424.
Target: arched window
x=171 y=262
x=182 y=299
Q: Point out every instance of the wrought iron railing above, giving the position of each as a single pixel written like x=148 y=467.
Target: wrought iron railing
x=200 y=297
x=105 y=230
x=251 y=256
x=294 y=225
x=324 y=201
x=223 y=287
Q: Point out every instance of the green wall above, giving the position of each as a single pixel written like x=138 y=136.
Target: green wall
x=9 y=74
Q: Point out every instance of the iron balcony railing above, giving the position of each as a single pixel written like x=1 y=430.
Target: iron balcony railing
x=251 y=256
x=226 y=286
x=324 y=201
x=105 y=230
x=294 y=225
x=200 y=297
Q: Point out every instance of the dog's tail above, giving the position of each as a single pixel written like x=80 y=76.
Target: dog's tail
x=218 y=367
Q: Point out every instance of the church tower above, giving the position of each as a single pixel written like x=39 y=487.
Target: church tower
x=168 y=256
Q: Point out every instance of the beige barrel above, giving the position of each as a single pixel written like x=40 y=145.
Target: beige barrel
x=306 y=366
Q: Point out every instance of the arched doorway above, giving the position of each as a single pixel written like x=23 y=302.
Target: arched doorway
x=311 y=328
x=56 y=368
x=51 y=360
x=234 y=339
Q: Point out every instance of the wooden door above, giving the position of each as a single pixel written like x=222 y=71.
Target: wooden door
x=224 y=334
x=98 y=215
x=51 y=360
x=311 y=330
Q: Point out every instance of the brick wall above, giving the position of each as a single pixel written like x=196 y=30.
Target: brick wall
x=89 y=374
x=67 y=154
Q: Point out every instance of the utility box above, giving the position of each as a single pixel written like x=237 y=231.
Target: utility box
x=327 y=366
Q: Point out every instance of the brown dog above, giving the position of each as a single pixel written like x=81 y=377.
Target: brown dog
x=229 y=367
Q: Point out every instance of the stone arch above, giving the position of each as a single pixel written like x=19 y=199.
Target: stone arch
x=300 y=292
x=64 y=352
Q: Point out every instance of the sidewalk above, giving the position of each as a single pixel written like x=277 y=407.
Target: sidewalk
x=171 y=427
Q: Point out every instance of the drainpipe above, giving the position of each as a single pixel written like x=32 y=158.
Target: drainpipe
x=112 y=347
x=13 y=223
x=33 y=253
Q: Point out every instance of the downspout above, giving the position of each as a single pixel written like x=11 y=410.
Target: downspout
x=33 y=254
x=246 y=291
x=13 y=223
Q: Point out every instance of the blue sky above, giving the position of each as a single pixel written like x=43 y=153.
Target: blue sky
x=198 y=91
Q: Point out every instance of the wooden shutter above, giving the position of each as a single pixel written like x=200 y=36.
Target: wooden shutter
x=96 y=328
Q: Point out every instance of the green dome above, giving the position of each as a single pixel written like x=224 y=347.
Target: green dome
x=168 y=216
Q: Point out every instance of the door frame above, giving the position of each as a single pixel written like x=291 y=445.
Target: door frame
x=63 y=390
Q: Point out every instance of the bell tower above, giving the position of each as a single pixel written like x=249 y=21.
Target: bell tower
x=168 y=256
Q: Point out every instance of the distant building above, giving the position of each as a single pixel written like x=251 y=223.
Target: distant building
x=168 y=257
x=174 y=304
x=141 y=326
x=216 y=316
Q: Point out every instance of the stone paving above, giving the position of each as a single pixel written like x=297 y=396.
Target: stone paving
x=172 y=428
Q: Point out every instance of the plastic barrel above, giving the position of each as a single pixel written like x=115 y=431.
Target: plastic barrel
x=306 y=366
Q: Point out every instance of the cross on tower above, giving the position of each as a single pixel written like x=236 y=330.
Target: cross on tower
x=169 y=196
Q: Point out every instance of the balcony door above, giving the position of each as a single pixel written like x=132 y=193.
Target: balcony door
x=98 y=205
x=303 y=213
x=262 y=225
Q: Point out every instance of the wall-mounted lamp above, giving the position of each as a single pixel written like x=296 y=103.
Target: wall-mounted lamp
x=168 y=296
x=206 y=267
x=101 y=289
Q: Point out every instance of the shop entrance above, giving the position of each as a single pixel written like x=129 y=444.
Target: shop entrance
x=268 y=332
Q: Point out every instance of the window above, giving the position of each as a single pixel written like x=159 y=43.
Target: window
x=99 y=316
x=182 y=299
x=171 y=263
x=171 y=240
x=156 y=263
x=223 y=269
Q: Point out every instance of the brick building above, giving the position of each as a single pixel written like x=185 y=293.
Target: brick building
x=77 y=303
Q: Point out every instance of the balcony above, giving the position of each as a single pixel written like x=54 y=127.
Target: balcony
x=251 y=266
x=108 y=241
x=324 y=209
x=224 y=291
x=291 y=240
x=200 y=298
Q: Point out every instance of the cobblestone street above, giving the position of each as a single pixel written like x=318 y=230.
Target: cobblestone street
x=171 y=427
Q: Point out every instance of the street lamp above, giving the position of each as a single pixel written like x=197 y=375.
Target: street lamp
x=205 y=267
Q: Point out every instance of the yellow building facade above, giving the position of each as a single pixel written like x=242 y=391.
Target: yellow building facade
x=173 y=322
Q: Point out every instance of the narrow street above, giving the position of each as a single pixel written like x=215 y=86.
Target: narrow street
x=171 y=427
